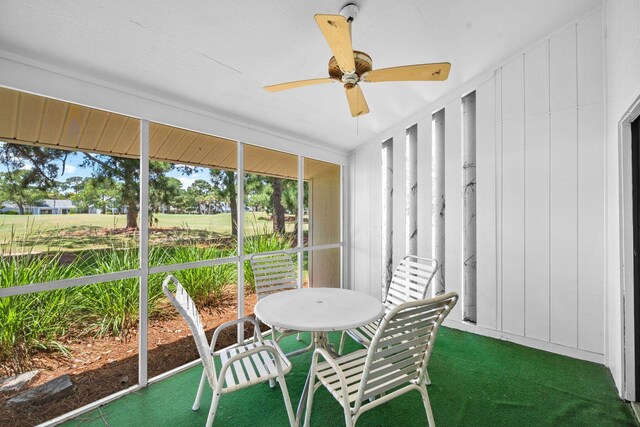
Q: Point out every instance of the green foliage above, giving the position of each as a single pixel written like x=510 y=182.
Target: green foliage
x=206 y=285
x=110 y=308
x=33 y=321
x=262 y=241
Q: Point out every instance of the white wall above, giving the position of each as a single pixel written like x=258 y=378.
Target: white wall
x=540 y=163
x=622 y=47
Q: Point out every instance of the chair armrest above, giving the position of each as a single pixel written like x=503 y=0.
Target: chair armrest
x=338 y=370
x=256 y=329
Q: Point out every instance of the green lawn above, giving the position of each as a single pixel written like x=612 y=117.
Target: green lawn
x=90 y=231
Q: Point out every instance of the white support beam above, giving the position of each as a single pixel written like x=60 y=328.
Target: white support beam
x=143 y=328
x=301 y=222
x=240 y=221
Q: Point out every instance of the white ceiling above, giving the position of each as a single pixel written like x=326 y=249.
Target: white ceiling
x=217 y=55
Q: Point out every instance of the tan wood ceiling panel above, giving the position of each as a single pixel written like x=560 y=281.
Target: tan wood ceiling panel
x=314 y=167
x=93 y=131
x=129 y=142
x=8 y=112
x=74 y=126
x=31 y=119
x=55 y=113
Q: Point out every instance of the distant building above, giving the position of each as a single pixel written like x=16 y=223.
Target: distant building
x=45 y=207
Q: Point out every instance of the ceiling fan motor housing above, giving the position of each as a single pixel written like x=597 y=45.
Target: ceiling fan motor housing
x=364 y=63
x=349 y=11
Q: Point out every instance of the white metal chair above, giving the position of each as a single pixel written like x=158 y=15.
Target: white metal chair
x=242 y=365
x=395 y=362
x=274 y=272
x=410 y=282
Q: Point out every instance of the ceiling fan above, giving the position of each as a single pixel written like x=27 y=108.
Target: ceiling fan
x=351 y=67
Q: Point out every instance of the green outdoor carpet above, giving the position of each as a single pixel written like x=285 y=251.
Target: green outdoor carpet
x=476 y=381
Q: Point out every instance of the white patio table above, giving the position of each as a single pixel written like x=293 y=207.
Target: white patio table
x=319 y=311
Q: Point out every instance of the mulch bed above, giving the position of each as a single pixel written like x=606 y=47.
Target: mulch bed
x=100 y=367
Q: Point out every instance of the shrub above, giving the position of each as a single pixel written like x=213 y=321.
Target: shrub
x=206 y=285
x=262 y=242
x=32 y=321
x=110 y=308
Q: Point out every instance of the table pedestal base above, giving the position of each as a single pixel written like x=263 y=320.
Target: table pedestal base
x=318 y=340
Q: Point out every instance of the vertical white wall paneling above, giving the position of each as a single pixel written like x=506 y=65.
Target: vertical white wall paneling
x=564 y=229
x=399 y=196
x=513 y=214
x=375 y=220
x=537 y=226
x=486 y=205
x=387 y=212
x=540 y=216
x=590 y=60
x=411 y=190
x=499 y=250
x=536 y=80
x=537 y=192
x=590 y=228
x=590 y=185
x=438 y=205
x=424 y=187
x=563 y=197
x=453 y=200
x=469 y=207
x=513 y=221
x=360 y=242
x=562 y=77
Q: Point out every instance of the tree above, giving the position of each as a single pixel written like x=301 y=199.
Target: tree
x=15 y=187
x=225 y=186
x=164 y=192
x=127 y=171
x=101 y=194
x=258 y=192
x=278 y=209
x=74 y=184
x=31 y=172
x=40 y=165
x=196 y=194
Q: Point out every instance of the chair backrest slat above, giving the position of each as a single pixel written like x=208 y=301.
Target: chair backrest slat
x=187 y=308
x=410 y=280
x=273 y=272
x=401 y=348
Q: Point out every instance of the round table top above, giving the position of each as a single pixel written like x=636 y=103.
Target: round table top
x=319 y=309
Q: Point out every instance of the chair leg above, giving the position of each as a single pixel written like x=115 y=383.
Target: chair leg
x=214 y=407
x=298 y=336
x=272 y=383
x=307 y=412
x=348 y=420
x=287 y=401
x=427 y=405
x=196 y=404
x=427 y=380
x=342 y=337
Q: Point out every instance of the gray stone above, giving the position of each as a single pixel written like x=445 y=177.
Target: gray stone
x=18 y=382
x=51 y=391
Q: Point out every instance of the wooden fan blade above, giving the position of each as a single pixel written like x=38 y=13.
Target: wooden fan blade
x=357 y=103
x=421 y=72
x=335 y=29
x=299 y=83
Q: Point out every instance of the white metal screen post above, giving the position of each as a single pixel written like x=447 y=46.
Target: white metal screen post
x=240 y=227
x=344 y=224
x=143 y=329
x=301 y=222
